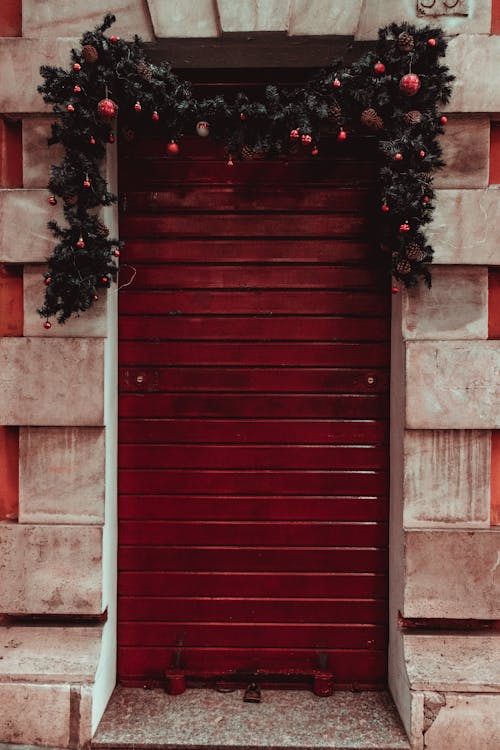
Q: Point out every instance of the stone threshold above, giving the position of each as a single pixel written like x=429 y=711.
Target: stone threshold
x=284 y=720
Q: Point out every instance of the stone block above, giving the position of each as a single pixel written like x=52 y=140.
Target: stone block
x=447 y=478
x=35 y=714
x=376 y=14
x=452 y=574
x=61 y=475
x=23 y=240
x=456 y=306
x=52 y=382
x=184 y=18
x=473 y=59
x=465 y=722
x=38 y=156
x=453 y=385
x=42 y=18
x=466 y=153
x=323 y=17
x=464 y=227
x=90 y=324
x=254 y=15
x=50 y=570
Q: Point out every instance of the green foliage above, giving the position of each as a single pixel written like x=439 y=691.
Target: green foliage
x=353 y=99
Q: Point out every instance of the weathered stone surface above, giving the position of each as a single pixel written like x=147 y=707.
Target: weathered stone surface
x=464 y=225
x=466 y=722
x=453 y=574
x=89 y=325
x=375 y=14
x=453 y=385
x=184 y=18
x=465 y=662
x=447 y=478
x=50 y=569
x=323 y=17
x=474 y=59
x=254 y=15
x=38 y=156
x=24 y=236
x=456 y=307
x=61 y=475
x=35 y=714
x=48 y=382
x=52 y=18
x=466 y=152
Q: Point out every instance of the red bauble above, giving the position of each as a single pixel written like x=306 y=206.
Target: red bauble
x=70 y=108
x=384 y=207
x=86 y=183
x=342 y=135
x=443 y=120
x=77 y=66
x=48 y=280
x=315 y=151
x=107 y=109
x=116 y=253
x=95 y=297
x=173 y=147
x=92 y=140
x=425 y=199
x=294 y=134
x=337 y=83
x=398 y=157
x=52 y=200
x=77 y=89
x=421 y=153
x=230 y=162
x=379 y=68
x=105 y=280
x=410 y=84
x=80 y=243
x=306 y=139
x=243 y=116
x=111 y=138
x=404 y=227
x=155 y=116
x=137 y=106
x=114 y=39
x=431 y=42
x=395 y=290
x=47 y=324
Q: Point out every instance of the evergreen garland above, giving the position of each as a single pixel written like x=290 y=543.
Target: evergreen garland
x=111 y=83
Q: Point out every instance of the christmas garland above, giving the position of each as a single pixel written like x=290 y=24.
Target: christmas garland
x=393 y=92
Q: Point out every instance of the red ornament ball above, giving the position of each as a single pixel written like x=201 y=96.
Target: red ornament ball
x=398 y=156
x=47 y=324
x=114 y=39
x=230 y=162
x=86 y=183
x=243 y=116
x=384 y=208
x=107 y=109
x=421 y=153
x=48 y=280
x=315 y=151
x=425 y=199
x=443 y=120
x=379 y=68
x=137 y=106
x=294 y=134
x=306 y=139
x=111 y=138
x=77 y=66
x=337 y=83
x=77 y=89
x=431 y=42
x=80 y=243
x=155 y=116
x=342 y=135
x=116 y=253
x=70 y=108
x=105 y=280
x=52 y=200
x=92 y=140
x=404 y=227
x=395 y=290
x=173 y=147
x=95 y=297
x=410 y=84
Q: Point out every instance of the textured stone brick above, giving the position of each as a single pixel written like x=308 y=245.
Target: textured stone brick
x=324 y=17
x=52 y=382
x=453 y=385
x=90 y=324
x=184 y=18
x=452 y=574
x=253 y=15
x=474 y=59
x=456 y=307
x=447 y=478
x=466 y=722
x=23 y=241
x=50 y=569
x=464 y=227
x=466 y=152
x=38 y=156
x=61 y=475
x=34 y=714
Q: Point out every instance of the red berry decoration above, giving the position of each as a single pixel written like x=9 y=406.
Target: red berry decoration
x=306 y=139
x=173 y=147
x=47 y=324
x=431 y=42
x=404 y=227
x=342 y=135
x=337 y=83
x=92 y=140
x=395 y=289
x=384 y=207
x=77 y=66
x=111 y=138
x=114 y=39
x=155 y=116
x=379 y=68
x=443 y=120
x=80 y=243
x=70 y=108
x=86 y=183
x=107 y=109
x=294 y=134
x=77 y=89
x=116 y=253
x=52 y=200
x=421 y=153
x=398 y=156
x=137 y=106
x=315 y=151
x=410 y=84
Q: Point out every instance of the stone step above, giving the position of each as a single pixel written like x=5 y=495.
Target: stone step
x=284 y=720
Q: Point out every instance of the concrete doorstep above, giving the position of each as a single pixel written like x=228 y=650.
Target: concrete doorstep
x=203 y=718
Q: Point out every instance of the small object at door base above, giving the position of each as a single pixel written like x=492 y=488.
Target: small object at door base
x=323 y=685
x=175 y=682
x=252 y=693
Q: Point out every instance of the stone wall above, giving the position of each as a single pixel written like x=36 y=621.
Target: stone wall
x=58 y=543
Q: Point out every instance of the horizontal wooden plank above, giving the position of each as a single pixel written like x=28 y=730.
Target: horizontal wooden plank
x=296 y=508
x=256 y=406
x=293 y=585
x=212 y=609
x=331 y=560
x=258 y=276
x=248 y=534
x=252 y=302
x=258 y=635
x=250 y=197
x=153 y=456
x=274 y=250
x=289 y=431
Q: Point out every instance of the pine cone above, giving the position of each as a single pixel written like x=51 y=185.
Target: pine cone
x=424 y=177
x=90 y=54
x=145 y=70
x=415 y=252
x=101 y=229
x=335 y=113
x=413 y=117
x=405 y=42
x=371 y=119
x=403 y=267
x=247 y=153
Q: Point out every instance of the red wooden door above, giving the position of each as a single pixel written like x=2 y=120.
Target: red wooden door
x=253 y=451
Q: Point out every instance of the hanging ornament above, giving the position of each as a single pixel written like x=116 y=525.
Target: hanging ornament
x=443 y=119
x=306 y=139
x=77 y=89
x=111 y=138
x=137 y=106
x=114 y=39
x=95 y=297
x=86 y=182
x=294 y=134
x=384 y=208
x=92 y=140
x=243 y=116
x=47 y=324
x=405 y=42
x=394 y=289
x=431 y=42
x=203 y=129
x=77 y=66
x=81 y=243
x=425 y=199
x=421 y=153
x=314 y=151
x=70 y=107
x=410 y=84
x=398 y=156
x=404 y=227
x=413 y=117
x=107 y=109
x=90 y=53
x=47 y=281
x=403 y=267
x=342 y=135
x=105 y=280
x=336 y=82
x=379 y=68
x=155 y=116
x=230 y=162
x=53 y=200
x=116 y=253
x=371 y=119
x=173 y=147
